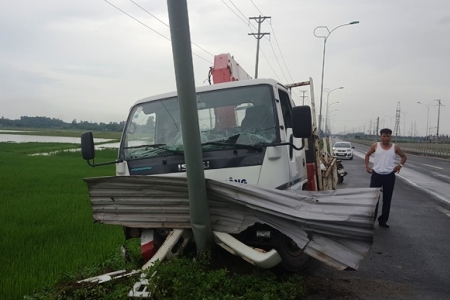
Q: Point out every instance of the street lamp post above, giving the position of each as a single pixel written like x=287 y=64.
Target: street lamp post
x=326 y=113
x=327 y=117
x=428 y=115
x=325 y=38
x=331 y=118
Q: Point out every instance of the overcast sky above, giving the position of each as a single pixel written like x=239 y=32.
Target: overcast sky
x=89 y=61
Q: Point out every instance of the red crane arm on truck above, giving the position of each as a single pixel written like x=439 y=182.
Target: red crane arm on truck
x=226 y=69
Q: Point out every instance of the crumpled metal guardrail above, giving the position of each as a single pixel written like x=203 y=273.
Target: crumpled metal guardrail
x=335 y=227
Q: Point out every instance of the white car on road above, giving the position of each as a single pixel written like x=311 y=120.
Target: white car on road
x=343 y=150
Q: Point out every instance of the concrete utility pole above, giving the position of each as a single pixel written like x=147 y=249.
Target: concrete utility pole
x=303 y=96
x=439 y=113
x=258 y=36
x=184 y=75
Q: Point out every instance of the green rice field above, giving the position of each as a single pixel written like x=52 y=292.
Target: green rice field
x=46 y=226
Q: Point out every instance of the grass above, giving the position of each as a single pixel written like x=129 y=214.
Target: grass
x=199 y=278
x=47 y=228
x=186 y=277
x=49 y=242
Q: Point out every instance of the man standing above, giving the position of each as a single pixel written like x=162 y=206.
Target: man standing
x=383 y=171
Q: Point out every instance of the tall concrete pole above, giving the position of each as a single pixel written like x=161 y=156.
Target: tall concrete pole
x=184 y=73
x=439 y=113
x=258 y=36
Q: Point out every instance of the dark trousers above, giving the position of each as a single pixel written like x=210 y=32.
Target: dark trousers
x=386 y=182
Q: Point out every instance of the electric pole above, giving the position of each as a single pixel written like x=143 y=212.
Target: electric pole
x=303 y=96
x=439 y=113
x=258 y=36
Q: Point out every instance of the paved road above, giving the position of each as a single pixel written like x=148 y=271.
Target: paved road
x=410 y=260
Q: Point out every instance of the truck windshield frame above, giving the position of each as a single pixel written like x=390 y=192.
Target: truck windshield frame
x=244 y=116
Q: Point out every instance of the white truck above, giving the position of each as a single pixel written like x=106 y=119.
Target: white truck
x=254 y=136
x=251 y=132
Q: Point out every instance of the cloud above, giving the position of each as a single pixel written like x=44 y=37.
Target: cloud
x=87 y=60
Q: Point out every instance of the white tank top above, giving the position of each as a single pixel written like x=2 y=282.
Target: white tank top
x=384 y=160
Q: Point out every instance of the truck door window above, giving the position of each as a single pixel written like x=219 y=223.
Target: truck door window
x=286 y=108
x=141 y=130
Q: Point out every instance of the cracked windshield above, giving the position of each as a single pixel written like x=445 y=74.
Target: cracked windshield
x=240 y=117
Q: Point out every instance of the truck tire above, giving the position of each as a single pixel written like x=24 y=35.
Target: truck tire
x=293 y=258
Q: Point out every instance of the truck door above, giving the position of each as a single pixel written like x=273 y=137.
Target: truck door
x=297 y=163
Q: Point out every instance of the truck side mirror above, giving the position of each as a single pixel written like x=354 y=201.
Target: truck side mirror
x=301 y=121
x=87 y=146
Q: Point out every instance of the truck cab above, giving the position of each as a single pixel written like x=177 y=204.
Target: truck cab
x=250 y=133
x=246 y=133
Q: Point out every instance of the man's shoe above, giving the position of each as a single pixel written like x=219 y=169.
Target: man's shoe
x=384 y=225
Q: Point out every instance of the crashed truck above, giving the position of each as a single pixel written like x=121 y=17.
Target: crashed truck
x=260 y=157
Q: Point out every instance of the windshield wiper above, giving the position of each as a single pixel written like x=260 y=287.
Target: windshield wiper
x=145 y=146
x=155 y=147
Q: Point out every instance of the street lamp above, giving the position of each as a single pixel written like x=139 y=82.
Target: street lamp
x=328 y=117
x=325 y=38
x=328 y=95
x=331 y=117
x=428 y=115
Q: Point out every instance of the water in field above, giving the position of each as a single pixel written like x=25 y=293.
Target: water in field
x=21 y=138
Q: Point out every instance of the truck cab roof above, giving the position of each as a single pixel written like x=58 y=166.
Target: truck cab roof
x=218 y=86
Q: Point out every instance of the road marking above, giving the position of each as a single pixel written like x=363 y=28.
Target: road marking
x=433 y=166
x=443 y=210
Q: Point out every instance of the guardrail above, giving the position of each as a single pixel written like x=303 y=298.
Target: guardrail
x=440 y=150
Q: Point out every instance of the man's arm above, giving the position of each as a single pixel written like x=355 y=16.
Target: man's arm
x=368 y=154
x=402 y=156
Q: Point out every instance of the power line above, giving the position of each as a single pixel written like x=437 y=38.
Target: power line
x=150 y=13
x=256 y=7
x=238 y=9
x=276 y=75
x=278 y=62
x=278 y=46
x=168 y=26
x=303 y=96
x=160 y=34
x=251 y=25
x=279 y=49
x=243 y=20
x=276 y=41
x=155 y=31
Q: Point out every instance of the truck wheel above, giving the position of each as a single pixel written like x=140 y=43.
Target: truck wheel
x=294 y=260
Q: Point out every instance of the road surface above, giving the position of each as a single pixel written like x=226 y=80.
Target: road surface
x=411 y=259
